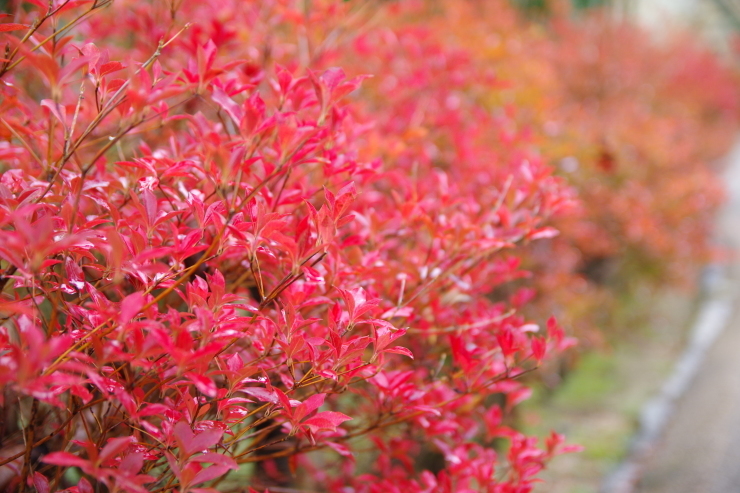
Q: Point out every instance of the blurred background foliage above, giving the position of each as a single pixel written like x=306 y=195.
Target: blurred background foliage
x=636 y=127
x=540 y=7
x=636 y=121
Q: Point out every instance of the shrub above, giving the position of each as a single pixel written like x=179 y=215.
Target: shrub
x=632 y=123
x=221 y=269
x=228 y=264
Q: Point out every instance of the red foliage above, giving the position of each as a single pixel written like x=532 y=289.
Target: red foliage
x=212 y=259
x=634 y=125
x=219 y=250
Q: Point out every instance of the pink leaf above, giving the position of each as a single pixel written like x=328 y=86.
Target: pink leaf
x=132 y=463
x=215 y=458
x=202 y=383
x=57 y=110
x=327 y=420
x=110 y=67
x=339 y=448
x=427 y=409
x=206 y=439
x=192 y=443
x=539 y=346
x=84 y=486
x=400 y=350
x=209 y=473
x=228 y=104
x=262 y=394
x=542 y=233
x=114 y=448
x=314 y=402
x=40 y=483
x=130 y=306
x=65 y=459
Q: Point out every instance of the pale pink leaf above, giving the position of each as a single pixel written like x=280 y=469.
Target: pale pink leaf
x=400 y=350
x=65 y=459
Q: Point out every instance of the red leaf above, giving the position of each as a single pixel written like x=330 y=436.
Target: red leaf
x=327 y=420
x=110 y=67
x=12 y=27
x=539 y=346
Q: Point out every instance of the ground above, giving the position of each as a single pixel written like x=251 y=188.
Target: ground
x=698 y=451
x=600 y=405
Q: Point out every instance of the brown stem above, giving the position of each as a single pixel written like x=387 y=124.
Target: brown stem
x=51 y=434
x=6 y=276
x=29 y=445
x=33 y=29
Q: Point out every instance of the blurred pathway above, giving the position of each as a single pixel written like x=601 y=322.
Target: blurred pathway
x=707 y=18
x=698 y=450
